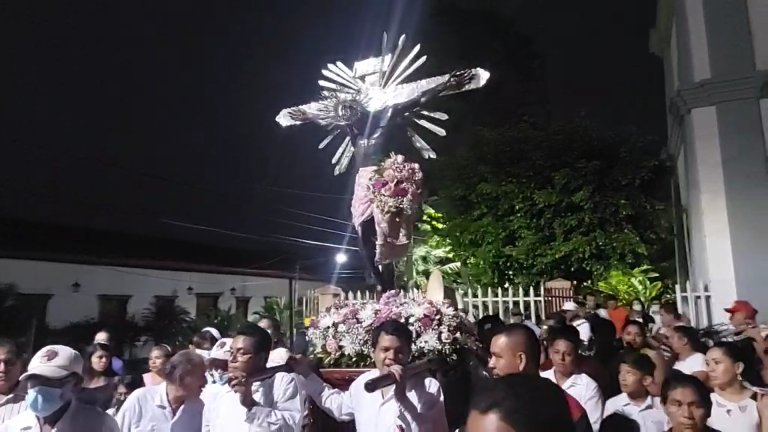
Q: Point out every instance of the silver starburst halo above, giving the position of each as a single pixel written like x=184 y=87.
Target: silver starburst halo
x=371 y=85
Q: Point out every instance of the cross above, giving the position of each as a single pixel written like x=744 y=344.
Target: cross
x=381 y=81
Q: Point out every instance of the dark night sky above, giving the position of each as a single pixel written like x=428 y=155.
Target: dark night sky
x=118 y=116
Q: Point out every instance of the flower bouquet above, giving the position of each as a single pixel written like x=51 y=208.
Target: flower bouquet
x=341 y=338
x=396 y=186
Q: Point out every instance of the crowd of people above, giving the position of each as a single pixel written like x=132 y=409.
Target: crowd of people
x=602 y=370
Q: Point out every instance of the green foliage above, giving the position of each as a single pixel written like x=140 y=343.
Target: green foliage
x=226 y=321
x=431 y=251
x=278 y=308
x=632 y=285
x=168 y=323
x=568 y=200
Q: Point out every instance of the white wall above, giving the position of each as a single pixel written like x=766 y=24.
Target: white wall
x=758 y=23
x=40 y=277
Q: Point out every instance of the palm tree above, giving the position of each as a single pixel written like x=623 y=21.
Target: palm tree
x=226 y=321
x=168 y=323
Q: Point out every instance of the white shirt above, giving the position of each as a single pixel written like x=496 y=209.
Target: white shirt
x=734 y=417
x=278 y=356
x=211 y=392
x=12 y=405
x=78 y=418
x=585 y=390
x=148 y=409
x=585 y=330
x=695 y=363
x=278 y=408
x=373 y=412
x=649 y=415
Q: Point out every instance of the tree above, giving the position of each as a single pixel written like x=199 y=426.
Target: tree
x=565 y=200
x=431 y=251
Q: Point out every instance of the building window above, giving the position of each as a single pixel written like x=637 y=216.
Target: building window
x=206 y=304
x=113 y=309
x=241 y=307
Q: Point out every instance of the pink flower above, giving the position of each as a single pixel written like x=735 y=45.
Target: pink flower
x=379 y=184
x=332 y=346
x=425 y=322
x=400 y=192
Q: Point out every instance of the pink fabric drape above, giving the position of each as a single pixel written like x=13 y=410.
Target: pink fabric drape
x=393 y=232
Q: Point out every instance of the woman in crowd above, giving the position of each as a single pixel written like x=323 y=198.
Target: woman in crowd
x=98 y=377
x=686 y=403
x=564 y=352
x=688 y=351
x=735 y=405
x=124 y=387
x=157 y=359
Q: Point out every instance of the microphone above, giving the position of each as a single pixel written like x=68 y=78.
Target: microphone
x=389 y=379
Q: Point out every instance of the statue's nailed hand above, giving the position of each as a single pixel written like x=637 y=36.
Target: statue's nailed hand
x=298 y=114
x=460 y=79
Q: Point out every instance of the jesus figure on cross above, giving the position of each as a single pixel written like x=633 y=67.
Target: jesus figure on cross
x=370 y=107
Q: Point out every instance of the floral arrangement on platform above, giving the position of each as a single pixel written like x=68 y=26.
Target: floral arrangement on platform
x=341 y=337
x=396 y=186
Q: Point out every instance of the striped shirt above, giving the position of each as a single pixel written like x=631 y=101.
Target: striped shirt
x=11 y=406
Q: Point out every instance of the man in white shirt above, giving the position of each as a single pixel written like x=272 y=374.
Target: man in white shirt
x=53 y=379
x=573 y=315
x=11 y=393
x=274 y=404
x=414 y=404
x=174 y=405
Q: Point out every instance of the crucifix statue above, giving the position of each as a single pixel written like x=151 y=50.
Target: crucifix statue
x=369 y=106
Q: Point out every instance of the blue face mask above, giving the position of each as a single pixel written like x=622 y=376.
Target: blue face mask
x=218 y=377
x=44 y=401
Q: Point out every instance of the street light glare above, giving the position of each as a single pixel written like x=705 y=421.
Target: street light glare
x=341 y=258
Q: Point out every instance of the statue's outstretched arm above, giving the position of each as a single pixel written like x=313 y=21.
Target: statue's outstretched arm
x=456 y=81
x=300 y=115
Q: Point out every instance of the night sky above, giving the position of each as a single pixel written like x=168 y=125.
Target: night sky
x=123 y=116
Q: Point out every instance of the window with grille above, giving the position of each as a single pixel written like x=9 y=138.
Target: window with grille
x=113 y=309
x=206 y=304
x=241 y=307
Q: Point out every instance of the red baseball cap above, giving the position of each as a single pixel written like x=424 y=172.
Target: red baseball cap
x=742 y=306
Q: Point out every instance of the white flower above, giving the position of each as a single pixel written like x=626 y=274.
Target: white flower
x=325 y=321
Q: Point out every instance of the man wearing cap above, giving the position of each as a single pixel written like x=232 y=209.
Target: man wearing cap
x=572 y=312
x=53 y=379
x=217 y=370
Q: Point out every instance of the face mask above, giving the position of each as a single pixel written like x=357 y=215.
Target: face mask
x=44 y=401
x=517 y=319
x=220 y=377
x=637 y=308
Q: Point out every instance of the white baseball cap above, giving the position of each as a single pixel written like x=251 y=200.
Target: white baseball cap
x=55 y=362
x=222 y=349
x=570 y=306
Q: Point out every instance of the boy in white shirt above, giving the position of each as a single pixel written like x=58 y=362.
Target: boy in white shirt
x=635 y=401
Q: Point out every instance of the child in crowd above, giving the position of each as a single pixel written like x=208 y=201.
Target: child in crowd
x=635 y=401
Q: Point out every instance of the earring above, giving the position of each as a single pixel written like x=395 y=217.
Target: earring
x=738 y=376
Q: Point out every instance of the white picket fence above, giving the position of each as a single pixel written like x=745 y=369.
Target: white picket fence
x=696 y=304
x=535 y=301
